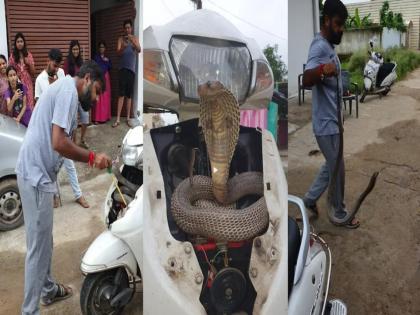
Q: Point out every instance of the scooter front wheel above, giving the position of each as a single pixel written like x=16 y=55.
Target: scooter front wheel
x=362 y=98
x=100 y=291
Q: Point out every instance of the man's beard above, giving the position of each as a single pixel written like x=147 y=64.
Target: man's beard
x=335 y=37
x=85 y=100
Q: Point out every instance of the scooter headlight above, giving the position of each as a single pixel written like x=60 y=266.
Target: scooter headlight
x=198 y=60
x=262 y=77
x=156 y=69
x=132 y=155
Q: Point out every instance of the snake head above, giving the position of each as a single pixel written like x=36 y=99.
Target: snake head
x=210 y=88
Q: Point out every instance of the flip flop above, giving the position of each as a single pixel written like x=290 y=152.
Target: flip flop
x=312 y=209
x=63 y=292
x=82 y=201
x=115 y=124
x=56 y=202
x=347 y=224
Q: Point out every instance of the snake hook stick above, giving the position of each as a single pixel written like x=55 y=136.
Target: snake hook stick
x=350 y=215
x=192 y=162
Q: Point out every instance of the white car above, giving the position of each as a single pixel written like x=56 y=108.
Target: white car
x=11 y=137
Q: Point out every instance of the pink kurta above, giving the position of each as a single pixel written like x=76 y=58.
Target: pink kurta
x=25 y=77
x=101 y=112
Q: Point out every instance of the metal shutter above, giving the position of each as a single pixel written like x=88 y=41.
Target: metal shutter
x=108 y=27
x=49 y=24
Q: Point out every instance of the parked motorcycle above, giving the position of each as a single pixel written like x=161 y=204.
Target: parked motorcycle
x=378 y=75
x=112 y=262
x=309 y=269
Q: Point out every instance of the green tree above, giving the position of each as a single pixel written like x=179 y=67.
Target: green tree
x=390 y=20
x=274 y=59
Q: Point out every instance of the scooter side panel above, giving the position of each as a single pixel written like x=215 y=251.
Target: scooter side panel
x=268 y=267
x=107 y=252
x=130 y=226
x=171 y=272
x=307 y=295
x=389 y=79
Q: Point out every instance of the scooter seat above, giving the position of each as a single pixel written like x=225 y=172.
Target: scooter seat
x=383 y=72
x=294 y=240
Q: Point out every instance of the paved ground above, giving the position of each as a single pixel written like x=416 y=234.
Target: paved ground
x=376 y=267
x=74 y=229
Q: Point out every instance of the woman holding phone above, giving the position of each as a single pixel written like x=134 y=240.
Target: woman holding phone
x=17 y=97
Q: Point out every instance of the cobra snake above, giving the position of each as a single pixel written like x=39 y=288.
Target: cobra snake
x=204 y=206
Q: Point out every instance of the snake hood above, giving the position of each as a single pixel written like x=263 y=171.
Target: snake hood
x=219 y=117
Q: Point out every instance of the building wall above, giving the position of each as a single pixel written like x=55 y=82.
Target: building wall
x=49 y=24
x=410 y=9
x=302 y=27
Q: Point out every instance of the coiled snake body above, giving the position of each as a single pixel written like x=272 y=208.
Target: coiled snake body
x=204 y=206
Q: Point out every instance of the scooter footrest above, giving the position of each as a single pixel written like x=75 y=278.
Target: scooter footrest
x=337 y=307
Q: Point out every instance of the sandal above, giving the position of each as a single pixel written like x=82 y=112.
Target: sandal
x=82 y=201
x=57 y=202
x=128 y=123
x=313 y=208
x=349 y=224
x=63 y=292
x=115 y=124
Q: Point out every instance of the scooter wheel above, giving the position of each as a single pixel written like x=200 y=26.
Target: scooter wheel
x=362 y=98
x=99 y=289
x=384 y=93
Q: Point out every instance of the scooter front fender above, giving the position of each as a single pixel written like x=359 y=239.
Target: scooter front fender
x=367 y=83
x=108 y=252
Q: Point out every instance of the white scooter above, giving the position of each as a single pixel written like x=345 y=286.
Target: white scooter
x=378 y=75
x=187 y=274
x=309 y=269
x=112 y=262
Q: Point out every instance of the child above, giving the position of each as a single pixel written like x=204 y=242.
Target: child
x=16 y=98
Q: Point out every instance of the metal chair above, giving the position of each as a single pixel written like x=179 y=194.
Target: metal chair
x=348 y=96
x=301 y=88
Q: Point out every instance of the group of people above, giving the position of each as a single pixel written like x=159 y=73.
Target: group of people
x=16 y=88
x=18 y=96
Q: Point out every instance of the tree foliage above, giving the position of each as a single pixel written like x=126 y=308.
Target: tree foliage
x=274 y=59
x=357 y=22
x=390 y=20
